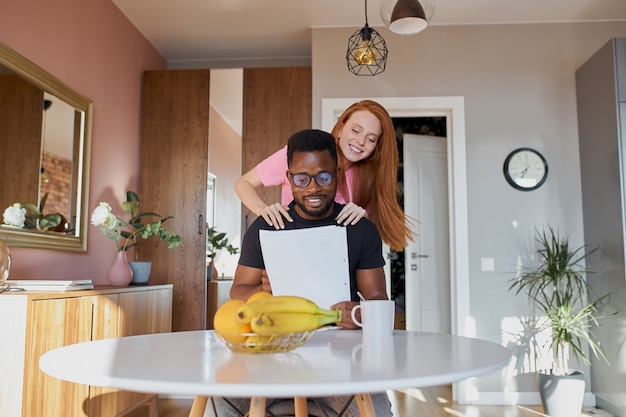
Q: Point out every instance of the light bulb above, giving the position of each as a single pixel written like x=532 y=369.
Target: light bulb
x=364 y=54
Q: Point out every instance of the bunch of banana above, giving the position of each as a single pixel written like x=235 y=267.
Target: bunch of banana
x=285 y=314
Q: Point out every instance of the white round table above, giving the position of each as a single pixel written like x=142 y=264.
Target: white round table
x=332 y=362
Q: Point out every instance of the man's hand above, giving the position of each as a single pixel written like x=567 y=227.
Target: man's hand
x=351 y=214
x=273 y=215
x=346 y=322
x=265 y=282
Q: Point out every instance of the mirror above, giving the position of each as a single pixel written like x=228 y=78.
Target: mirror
x=45 y=131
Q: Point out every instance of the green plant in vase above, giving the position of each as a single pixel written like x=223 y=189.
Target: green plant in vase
x=557 y=287
x=127 y=234
x=140 y=225
x=217 y=241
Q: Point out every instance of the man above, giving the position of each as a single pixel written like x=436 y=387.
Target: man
x=312 y=173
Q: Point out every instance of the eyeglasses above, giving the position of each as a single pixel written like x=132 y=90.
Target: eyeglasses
x=323 y=179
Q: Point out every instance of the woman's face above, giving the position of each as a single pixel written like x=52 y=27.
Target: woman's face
x=360 y=135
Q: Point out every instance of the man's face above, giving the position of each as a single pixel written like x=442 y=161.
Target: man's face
x=313 y=201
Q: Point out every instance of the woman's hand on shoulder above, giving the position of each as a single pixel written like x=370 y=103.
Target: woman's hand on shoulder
x=351 y=214
x=273 y=215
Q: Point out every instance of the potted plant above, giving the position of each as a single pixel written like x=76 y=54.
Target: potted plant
x=128 y=234
x=216 y=241
x=557 y=287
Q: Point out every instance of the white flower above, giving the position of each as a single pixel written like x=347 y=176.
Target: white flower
x=126 y=234
x=15 y=215
x=103 y=216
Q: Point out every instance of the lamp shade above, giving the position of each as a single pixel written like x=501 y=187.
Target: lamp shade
x=367 y=52
x=386 y=7
x=408 y=18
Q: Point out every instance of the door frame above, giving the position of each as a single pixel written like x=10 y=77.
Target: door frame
x=453 y=109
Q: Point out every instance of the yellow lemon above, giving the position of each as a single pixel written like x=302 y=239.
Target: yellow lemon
x=226 y=323
x=257 y=296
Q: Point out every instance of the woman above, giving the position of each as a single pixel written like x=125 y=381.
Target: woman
x=367 y=174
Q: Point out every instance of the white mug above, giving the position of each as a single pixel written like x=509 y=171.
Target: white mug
x=376 y=317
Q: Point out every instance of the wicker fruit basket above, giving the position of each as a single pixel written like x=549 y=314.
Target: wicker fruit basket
x=255 y=343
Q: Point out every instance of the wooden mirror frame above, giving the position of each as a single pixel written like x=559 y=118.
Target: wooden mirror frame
x=22 y=238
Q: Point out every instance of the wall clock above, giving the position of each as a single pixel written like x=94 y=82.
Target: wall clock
x=525 y=169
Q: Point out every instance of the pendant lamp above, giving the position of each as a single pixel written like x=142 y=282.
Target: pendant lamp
x=367 y=51
x=387 y=8
x=408 y=18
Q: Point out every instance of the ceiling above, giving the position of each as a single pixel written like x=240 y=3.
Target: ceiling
x=227 y=32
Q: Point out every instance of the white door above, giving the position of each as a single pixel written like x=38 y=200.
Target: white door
x=427 y=265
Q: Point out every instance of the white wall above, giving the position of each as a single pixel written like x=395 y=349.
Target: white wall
x=519 y=89
x=225 y=158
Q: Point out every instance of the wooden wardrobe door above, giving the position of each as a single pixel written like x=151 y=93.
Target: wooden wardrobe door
x=173 y=182
x=276 y=104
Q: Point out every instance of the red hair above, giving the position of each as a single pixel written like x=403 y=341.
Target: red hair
x=375 y=180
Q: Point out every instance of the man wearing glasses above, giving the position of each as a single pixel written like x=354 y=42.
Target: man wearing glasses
x=312 y=173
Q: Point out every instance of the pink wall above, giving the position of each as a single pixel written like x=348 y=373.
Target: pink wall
x=93 y=48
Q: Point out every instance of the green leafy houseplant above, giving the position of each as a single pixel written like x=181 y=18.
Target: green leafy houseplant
x=558 y=288
x=127 y=234
x=217 y=241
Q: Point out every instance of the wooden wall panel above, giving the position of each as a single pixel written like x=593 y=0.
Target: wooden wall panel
x=276 y=104
x=173 y=174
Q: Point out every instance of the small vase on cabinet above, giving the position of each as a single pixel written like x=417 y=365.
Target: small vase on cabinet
x=141 y=272
x=120 y=274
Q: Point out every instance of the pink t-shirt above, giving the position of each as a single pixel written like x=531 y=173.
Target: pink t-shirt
x=272 y=171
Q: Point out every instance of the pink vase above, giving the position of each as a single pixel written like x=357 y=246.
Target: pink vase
x=120 y=274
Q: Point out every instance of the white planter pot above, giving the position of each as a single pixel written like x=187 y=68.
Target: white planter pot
x=562 y=395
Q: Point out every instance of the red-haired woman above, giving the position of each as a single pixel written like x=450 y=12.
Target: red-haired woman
x=368 y=169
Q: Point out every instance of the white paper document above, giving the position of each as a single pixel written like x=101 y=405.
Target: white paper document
x=310 y=263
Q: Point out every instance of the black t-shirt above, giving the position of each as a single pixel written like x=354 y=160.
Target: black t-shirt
x=364 y=243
